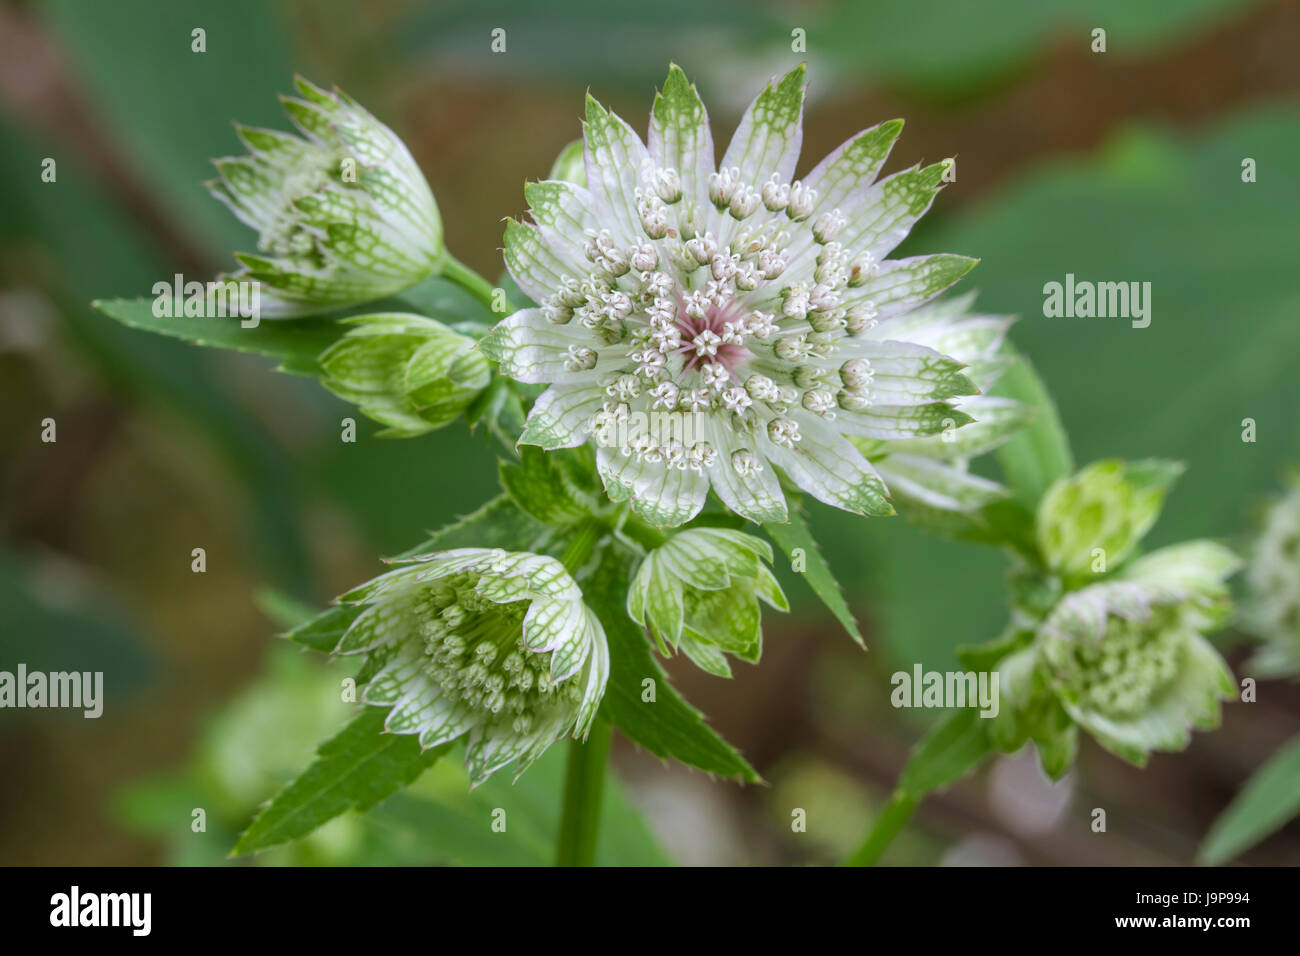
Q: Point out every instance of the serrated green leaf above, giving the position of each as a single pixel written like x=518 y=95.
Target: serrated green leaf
x=356 y=769
x=795 y=535
x=296 y=343
x=323 y=632
x=539 y=485
x=667 y=726
x=1268 y=801
x=498 y=524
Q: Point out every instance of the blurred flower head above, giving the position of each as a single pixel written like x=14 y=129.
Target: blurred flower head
x=1272 y=609
x=1121 y=650
x=759 y=309
x=343 y=215
x=487 y=644
x=699 y=593
x=405 y=371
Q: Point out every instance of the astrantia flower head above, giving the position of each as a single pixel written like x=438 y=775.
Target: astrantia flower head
x=709 y=325
x=699 y=593
x=342 y=215
x=1123 y=657
x=1272 y=610
x=406 y=371
x=482 y=642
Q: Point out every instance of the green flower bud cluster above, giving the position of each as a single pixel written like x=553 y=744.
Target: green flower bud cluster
x=1109 y=643
x=699 y=593
x=405 y=371
x=1095 y=518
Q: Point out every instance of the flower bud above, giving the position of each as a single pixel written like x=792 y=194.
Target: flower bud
x=405 y=371
x=494 y=646
x=343 y=215
x=699 y=593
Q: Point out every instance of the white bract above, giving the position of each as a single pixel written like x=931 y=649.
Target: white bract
x=485 y=643
x=343 y=216
x=708 y=325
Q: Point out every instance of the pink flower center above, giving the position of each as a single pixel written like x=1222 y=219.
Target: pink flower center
x=712 y=339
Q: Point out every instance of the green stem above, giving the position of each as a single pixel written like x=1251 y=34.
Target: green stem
x=584 y=785
x=456 y=271
x=891 y=820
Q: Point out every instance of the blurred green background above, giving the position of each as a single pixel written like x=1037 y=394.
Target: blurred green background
x=1123 y=165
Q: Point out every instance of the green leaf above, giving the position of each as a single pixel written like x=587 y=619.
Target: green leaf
x=295 y=342
x=498 y=524
x=949 y=751
x=324 y=631
x=540 y=485
x=668 y=726
x=1268 y=801
x=298 y=342
x=796 y=536
x=1039 y=454
x=357 y=769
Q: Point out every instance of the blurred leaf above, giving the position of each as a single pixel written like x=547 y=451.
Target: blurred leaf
x=952 y=748
x=581 y=38
x=89 y=250
x=795 y=536
x=55 y=619
x=1221 y=347
x=357 y=769
x=1268 y=801
x=1038 y=454
x=946 y=48
x=171 y=109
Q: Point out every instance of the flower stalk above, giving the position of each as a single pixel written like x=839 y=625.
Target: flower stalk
x=584 y=789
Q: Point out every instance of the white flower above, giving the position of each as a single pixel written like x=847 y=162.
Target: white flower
x=482 y=642
x=758 y=277
x=343 y=216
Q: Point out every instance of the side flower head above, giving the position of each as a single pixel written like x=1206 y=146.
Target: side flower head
x=405 y=371
x=710 y=325
x=699 y=593
x=1122 y=655
x=931 y=473
x=1272 y=609
x=343 y=214
x=491 y=645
